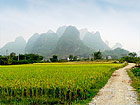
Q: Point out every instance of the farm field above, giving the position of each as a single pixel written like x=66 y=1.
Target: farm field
x=53 y=83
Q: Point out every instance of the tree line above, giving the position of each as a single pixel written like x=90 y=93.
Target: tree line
x=35 y=58
x=20 y=59
x=131 y=58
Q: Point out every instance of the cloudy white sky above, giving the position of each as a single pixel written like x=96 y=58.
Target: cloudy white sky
x=116 y=20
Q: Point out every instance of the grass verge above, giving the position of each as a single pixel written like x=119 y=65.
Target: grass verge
x=135 y=79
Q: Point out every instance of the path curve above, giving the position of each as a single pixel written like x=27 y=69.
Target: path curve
x=118 y=90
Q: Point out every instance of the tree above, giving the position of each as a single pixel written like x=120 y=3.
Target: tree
x=133 y=54
x=12 y=54
x=75 y=58
x=3 y=60
x=97 y=55
x=71 y=57
x=54 y=58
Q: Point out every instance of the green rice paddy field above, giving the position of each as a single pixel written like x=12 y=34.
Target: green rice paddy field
x=53 y=83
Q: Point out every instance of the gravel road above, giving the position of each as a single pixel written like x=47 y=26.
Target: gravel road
x=118 y=90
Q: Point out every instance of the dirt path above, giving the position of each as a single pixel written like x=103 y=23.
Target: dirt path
x=117 y=91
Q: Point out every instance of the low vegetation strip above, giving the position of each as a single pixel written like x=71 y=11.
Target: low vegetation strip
x=135 y=76
x=52 y=83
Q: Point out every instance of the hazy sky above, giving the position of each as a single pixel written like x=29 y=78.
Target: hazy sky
x=116 y=20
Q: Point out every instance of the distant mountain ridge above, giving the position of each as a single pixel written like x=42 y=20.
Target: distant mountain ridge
x=67 y=40
x=60 y=31
x=83 y=33
x=70 y=44
x=117 y=45
x=45 y=44
x=17 y=46
x=94 y=41
x=30 y=43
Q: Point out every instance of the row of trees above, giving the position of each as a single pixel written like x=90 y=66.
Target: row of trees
x=96 y=55
x=131 y=58
x=20 y=59
x=35 y=58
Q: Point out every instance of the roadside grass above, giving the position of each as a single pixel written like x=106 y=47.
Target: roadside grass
x=133 y=73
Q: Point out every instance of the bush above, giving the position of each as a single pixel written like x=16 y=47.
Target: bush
x=54 y=59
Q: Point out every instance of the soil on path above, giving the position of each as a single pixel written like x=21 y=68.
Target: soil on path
x=118 y=90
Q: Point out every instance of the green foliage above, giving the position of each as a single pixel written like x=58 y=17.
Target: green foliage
x=129 y=59
x=75 y=58
x=56 y=83
x=12 y=54
x=133 y=54
x=97 y=55
x=54 y=58
x=71 y=57
x=20 y=62
x=116 y=53
x=3 y=60
x=135 y=76
x=62 y=60
x=20 y=59
x=136 y=72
